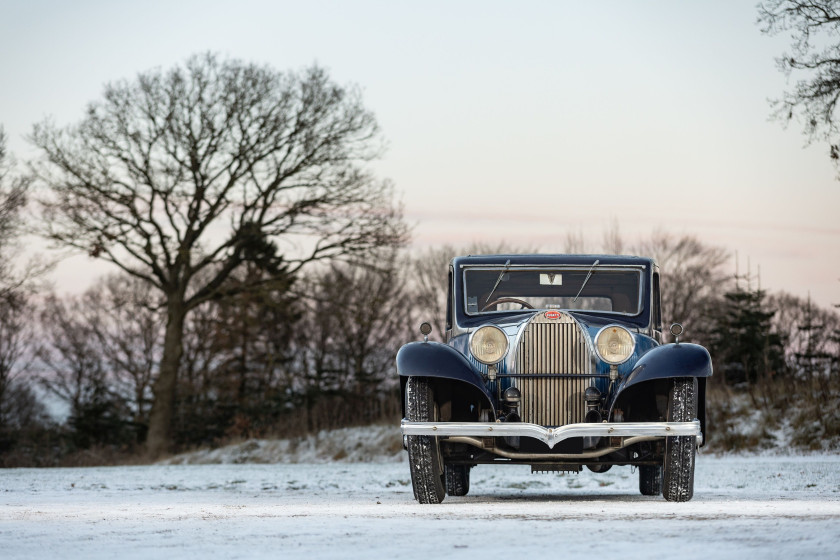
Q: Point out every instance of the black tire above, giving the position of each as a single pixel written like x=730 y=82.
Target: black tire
x=424 y=458
x=650 y=480
x=678 y=468
x=457 y=480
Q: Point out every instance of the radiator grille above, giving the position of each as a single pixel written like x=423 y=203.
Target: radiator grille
x=552 y=346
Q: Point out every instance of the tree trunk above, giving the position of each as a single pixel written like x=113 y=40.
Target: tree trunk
x=159 y=438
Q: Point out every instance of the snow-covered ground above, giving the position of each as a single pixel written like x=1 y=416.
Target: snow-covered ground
x=744 y=507
x=378 y=443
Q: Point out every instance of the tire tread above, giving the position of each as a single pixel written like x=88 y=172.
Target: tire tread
x=457 y=480
x=680 y=451
x=423 y=451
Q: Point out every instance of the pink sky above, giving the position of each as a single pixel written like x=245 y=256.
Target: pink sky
x=504 y=121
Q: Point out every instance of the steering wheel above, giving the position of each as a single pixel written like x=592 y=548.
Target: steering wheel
x=524 y=304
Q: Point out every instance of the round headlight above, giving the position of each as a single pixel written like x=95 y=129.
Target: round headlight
x=614 y=344
x=489 y=344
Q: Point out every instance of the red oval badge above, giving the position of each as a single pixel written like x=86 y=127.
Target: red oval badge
x=552 y=314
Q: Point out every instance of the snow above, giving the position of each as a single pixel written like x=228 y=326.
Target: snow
x=761 y=506
x=379 y=443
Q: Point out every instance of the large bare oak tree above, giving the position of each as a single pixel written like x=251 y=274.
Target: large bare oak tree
x=181 y=177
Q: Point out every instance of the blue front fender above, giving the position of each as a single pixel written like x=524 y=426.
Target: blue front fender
x=436 y=360
x=668 y=362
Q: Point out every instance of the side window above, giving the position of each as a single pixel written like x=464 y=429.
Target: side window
x=449 y=301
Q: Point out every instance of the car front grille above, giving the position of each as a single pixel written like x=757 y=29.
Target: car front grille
x=552 y=346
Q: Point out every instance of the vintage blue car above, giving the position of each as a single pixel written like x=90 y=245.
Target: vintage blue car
x=553 y=361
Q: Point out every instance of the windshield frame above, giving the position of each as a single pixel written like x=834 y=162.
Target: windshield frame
x=638 y=268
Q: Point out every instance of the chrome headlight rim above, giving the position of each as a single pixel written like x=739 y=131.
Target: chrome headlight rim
x=629 y=353
x=475 y=354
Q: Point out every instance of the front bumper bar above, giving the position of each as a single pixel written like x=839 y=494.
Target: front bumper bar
x=552 y=436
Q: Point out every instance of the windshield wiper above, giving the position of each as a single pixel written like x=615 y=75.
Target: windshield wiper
x=586 y=279
x=499 y=279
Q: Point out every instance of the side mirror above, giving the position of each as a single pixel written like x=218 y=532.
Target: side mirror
x=676 y=331
x=425 y=329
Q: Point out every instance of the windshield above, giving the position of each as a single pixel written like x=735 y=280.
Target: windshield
x=506 y=288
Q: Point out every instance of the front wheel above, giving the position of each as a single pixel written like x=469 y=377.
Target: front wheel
x=678 y=469
x=424 y=457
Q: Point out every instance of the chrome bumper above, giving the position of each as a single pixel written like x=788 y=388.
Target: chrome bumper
x=552 y=436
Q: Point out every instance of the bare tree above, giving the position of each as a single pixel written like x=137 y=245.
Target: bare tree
x=356 y=319
x=19 y=406
x=99 y=352
x=814 y=26
x=812 y=349
x=12 y=199
x=75 y=370
x=372 y=316
x=15 y=334
x=574 y=242
x=15 y=277
x=207 y=167
x=427 y=279
x=197 y=389
x=613 y=242
x=693 y=277
x=237 y=372
x=125 y=319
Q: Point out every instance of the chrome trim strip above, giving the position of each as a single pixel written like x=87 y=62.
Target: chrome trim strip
x=574 y=268
x=551 y=436
x=582 y=267
x=552 y=456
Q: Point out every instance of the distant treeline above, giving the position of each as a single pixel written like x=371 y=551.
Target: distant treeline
x=318 y=353
x=264 y=284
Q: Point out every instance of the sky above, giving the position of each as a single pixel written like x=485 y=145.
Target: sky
x=517 y=122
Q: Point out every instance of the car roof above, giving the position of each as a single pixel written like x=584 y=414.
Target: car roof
x=553 y=259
